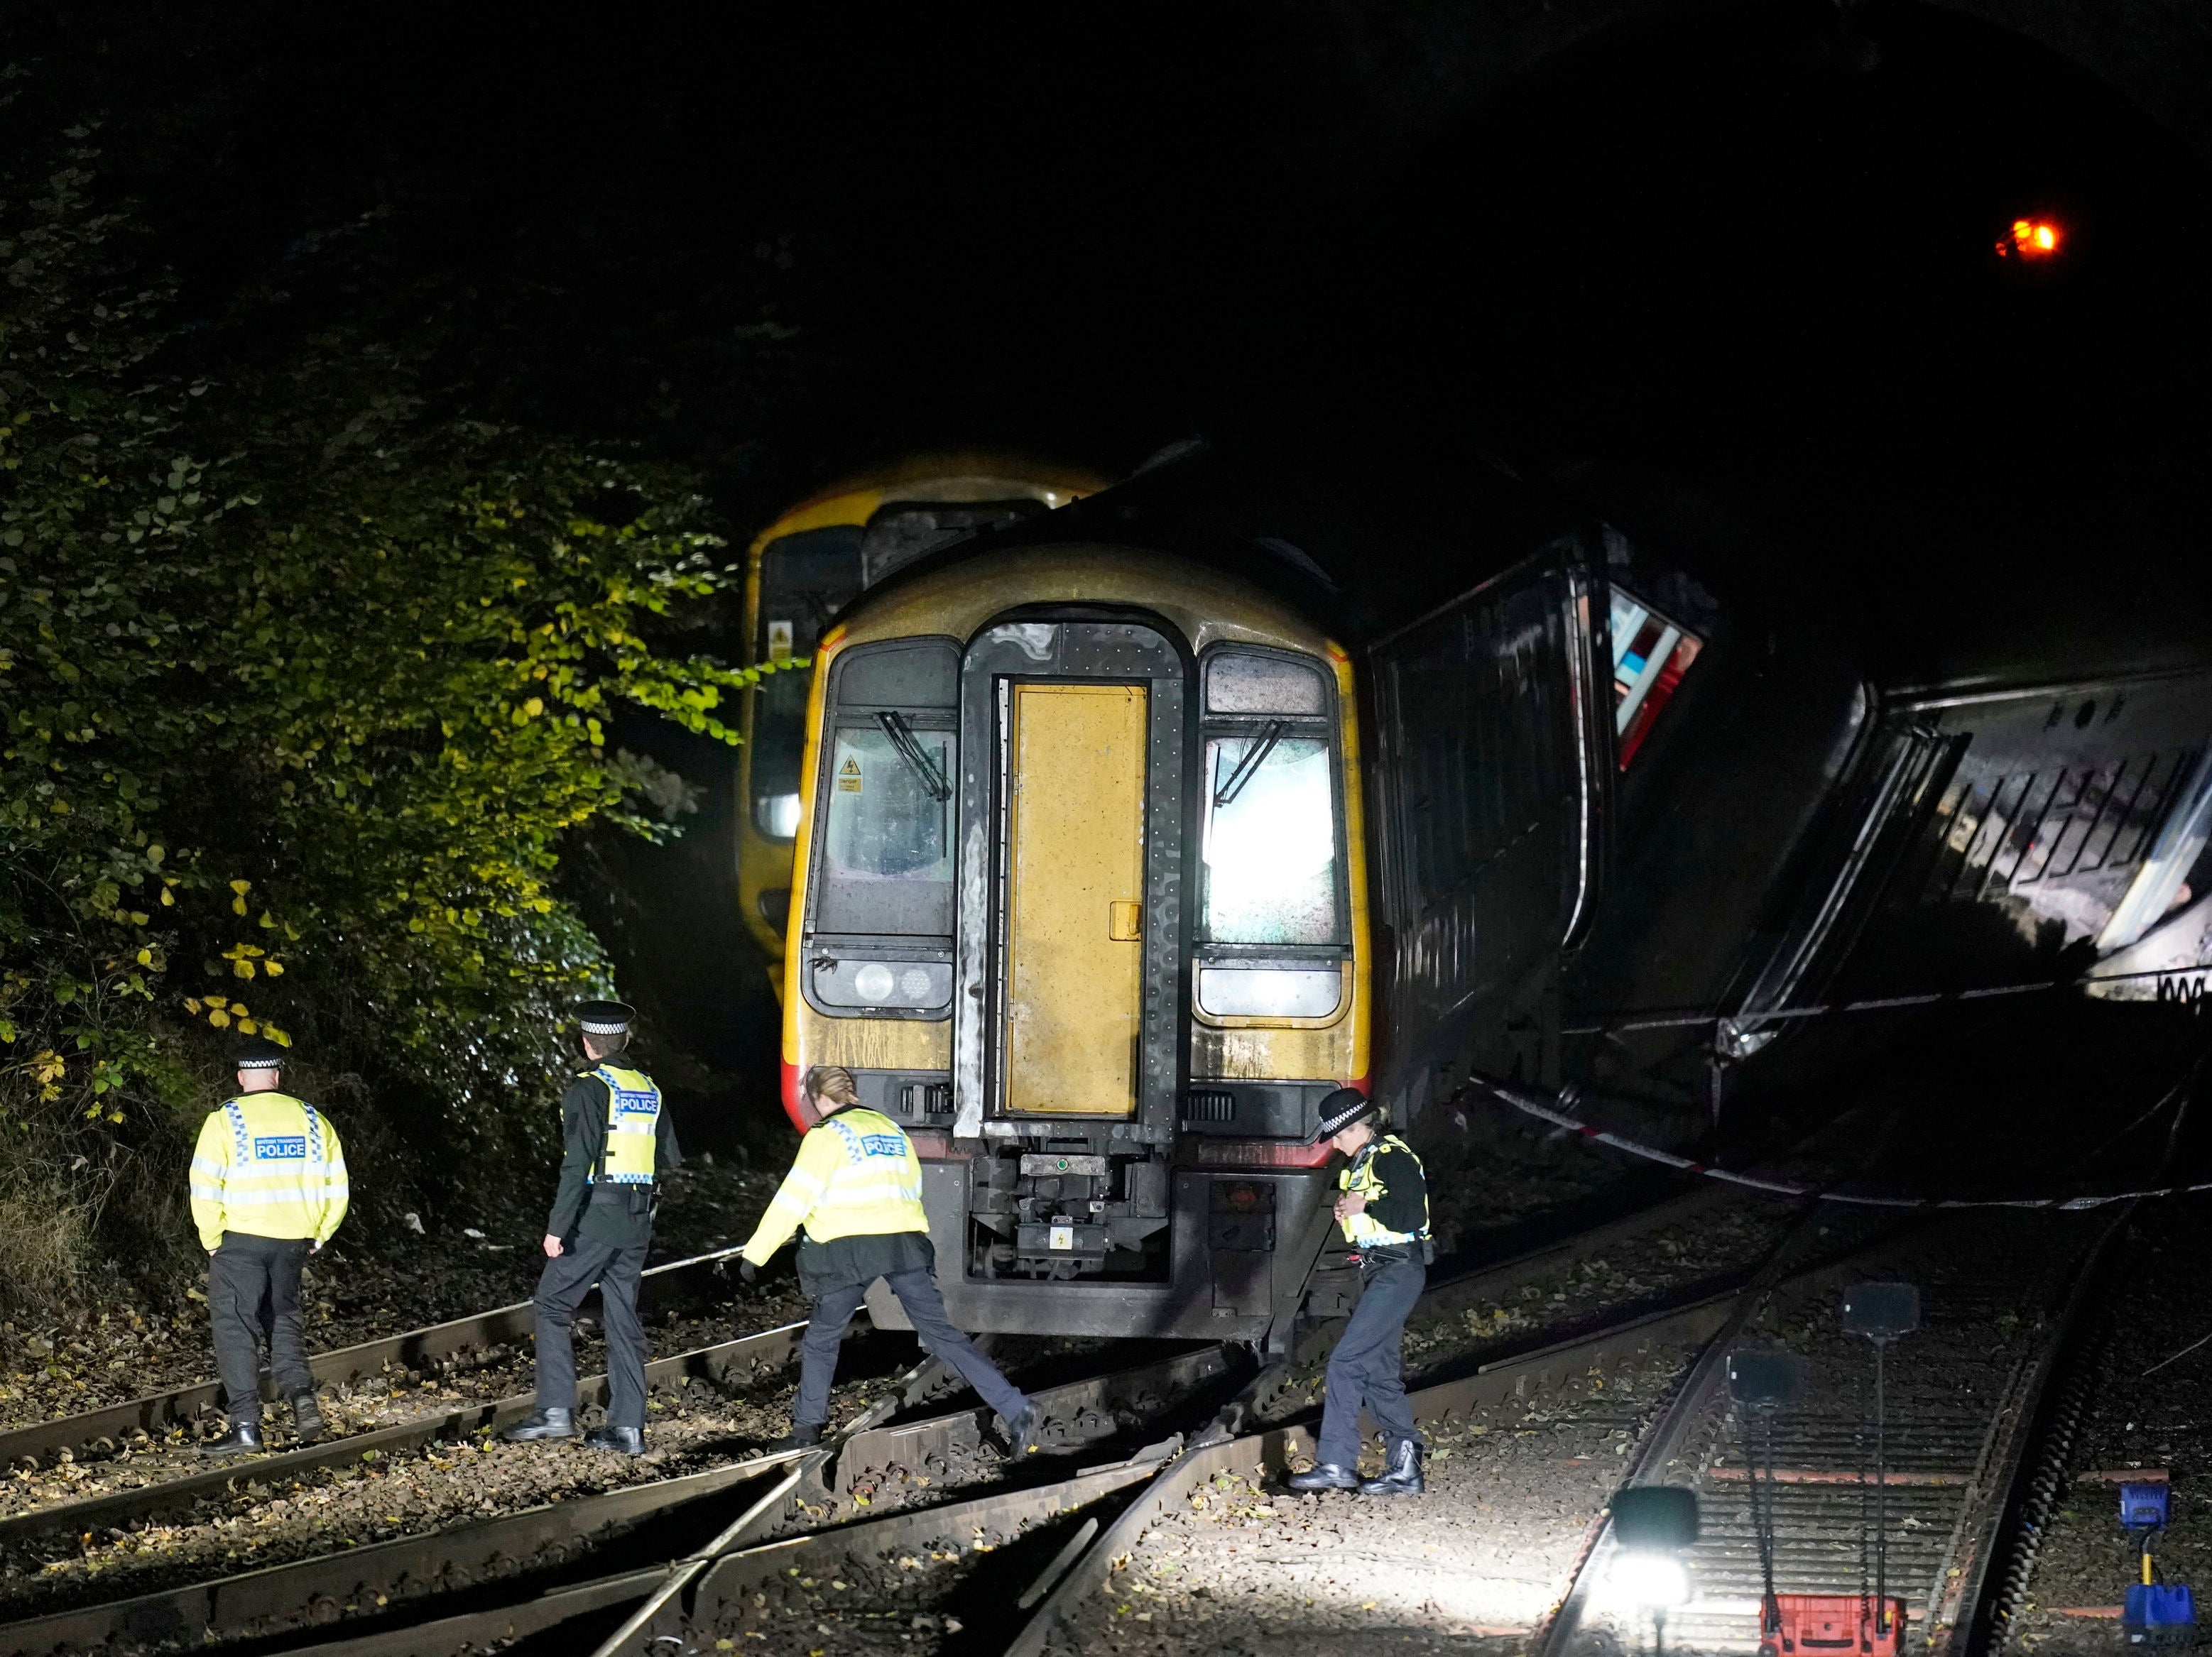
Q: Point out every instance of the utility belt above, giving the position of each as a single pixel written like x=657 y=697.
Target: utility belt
x=1421 y=1253
x=635 y=1200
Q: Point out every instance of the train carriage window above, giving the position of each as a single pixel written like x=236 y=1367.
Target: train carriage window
x=1269 y=798
x=805 y=579
x=1650 y=654
x=887 y=841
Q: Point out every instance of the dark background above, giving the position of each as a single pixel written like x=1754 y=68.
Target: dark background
x=1730 y=271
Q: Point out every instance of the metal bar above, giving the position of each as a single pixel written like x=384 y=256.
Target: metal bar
x=682 y=1574
x=477 y=1629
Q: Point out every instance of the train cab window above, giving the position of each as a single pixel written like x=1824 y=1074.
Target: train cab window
x=1269 y=799
x=1650 y=654
x=805 y=580
x=893 y=767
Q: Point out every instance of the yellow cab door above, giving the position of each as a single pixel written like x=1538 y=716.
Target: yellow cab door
x=1075 y=880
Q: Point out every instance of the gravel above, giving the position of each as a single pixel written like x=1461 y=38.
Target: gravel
x=1248 y=1567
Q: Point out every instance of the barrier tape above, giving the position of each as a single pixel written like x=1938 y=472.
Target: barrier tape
x=1621 y=1024
x=1790 y=1188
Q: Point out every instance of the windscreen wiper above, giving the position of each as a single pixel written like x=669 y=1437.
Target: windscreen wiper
x=919 y=759
x=1248 y=767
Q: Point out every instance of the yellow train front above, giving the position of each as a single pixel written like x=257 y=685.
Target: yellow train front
x=1079 y=898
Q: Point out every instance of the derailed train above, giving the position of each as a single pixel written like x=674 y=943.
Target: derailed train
x=1125 y=835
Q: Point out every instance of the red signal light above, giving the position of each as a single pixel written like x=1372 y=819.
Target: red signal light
x=2031 y=239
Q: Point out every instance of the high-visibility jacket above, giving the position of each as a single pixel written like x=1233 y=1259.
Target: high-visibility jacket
x=269 y=1165
x=856 y=1175
x=1364 y=1230
x=633 y=1121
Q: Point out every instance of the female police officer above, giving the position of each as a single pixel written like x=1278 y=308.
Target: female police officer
x=856 y=1187
x=1384 y=1214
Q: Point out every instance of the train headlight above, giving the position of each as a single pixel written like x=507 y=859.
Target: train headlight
x=898 y=985
x=1302 y=991
x=777 y=815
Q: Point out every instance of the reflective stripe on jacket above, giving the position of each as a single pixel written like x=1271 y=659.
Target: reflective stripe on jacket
x=269 y=1165
x=632 y=1117
x=856 y=1175
x=1363 y=1230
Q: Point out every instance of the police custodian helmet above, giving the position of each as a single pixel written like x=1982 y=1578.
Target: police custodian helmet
x=1341 y=1109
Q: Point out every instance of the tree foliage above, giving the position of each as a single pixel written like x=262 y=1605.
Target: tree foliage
x=305 y=673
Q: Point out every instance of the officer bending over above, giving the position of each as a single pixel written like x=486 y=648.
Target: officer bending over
x=618 y=1141
x=1384 y=1214
x=268 y=1189
x=856 y=1188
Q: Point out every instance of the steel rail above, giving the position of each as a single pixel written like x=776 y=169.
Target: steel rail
x=757 y=1355
x=2004 y=1439
x=437 y=1341
x=321 y=1588
x=1079 y=1413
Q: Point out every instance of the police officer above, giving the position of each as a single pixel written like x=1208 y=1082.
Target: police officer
x=618 y=1141
x=268 y=1189
x=1384 y=1214
x=856 y=1188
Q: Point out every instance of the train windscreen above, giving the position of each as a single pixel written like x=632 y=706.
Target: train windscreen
x=1270 y=805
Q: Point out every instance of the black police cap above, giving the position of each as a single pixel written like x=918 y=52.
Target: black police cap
x=1341 y=1109
x=605 y=1017
x=257 y=1054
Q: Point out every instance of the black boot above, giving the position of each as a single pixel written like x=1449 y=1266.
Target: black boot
x=1325 y=1477
x=1023 y=1430
x=623 y=1440
x=545 y=1423
x=306 y=1417
x=1402 y=1476
x=800 y=1437
x=244 y=1438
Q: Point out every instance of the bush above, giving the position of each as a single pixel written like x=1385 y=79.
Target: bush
x=306 y=675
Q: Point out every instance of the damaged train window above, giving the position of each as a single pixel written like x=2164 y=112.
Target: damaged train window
x=1650 y=654
x=1269 y=796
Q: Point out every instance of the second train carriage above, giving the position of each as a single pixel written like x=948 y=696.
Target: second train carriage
x=805 y=567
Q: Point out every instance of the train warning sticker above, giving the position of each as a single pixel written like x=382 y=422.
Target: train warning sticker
x=848 y=775
x=779 y=642
x=1063 y=1236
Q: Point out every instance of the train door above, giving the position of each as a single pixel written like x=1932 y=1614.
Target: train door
x=1071 y=918
x=1074 y=860
x=1493 y=759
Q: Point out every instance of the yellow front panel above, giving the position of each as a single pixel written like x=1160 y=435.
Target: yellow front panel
x=1075 y=863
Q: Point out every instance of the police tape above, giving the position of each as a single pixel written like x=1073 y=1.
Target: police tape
x=1793 y=1188
x=2190 y=985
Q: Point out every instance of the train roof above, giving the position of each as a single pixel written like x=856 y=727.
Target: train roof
x=950 y=475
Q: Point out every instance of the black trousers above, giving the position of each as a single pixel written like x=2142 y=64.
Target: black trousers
x=561 y=1289
x=253 y=1296
x=1364 y=1369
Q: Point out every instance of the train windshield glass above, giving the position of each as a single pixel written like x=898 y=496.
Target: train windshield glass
x=1270 y=839
x=888 y=851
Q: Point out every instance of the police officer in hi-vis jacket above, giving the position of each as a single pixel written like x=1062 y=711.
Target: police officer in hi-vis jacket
x=268 y=1188
x=618 y=1141
x=856 y=1189
x=1384 y=1215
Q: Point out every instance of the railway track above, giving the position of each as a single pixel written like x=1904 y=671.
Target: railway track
x=523 y=1562
x=2001 y=1293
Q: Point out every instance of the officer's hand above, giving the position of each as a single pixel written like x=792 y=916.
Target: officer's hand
x=1351 y=1202
x=552 y=1246
x=747 y=1270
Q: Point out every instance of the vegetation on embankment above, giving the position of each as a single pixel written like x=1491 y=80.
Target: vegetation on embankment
x=307 y=670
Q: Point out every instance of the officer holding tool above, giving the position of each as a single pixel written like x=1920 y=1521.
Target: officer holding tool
x=856 y=1188
x=268 y=1189
x=1384 y=1215
x=618 y=1141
